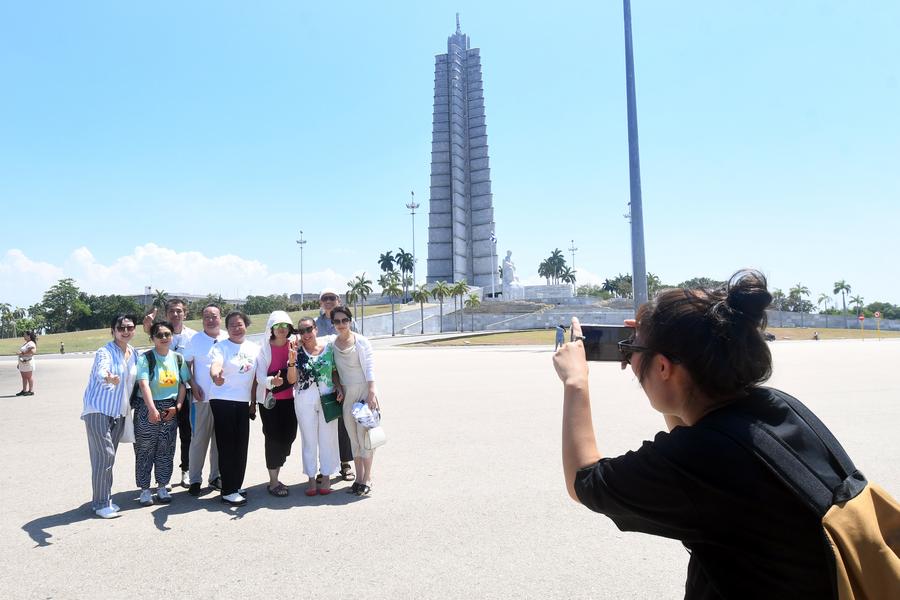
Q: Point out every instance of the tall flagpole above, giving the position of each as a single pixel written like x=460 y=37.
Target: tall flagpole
x=638 y=263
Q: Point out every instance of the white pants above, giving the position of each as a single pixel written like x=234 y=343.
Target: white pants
x=319 y=439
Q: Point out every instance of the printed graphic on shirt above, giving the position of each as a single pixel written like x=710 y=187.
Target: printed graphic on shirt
x=316 y=369
x=244 y=362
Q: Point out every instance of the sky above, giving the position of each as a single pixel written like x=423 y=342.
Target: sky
x=184 y=146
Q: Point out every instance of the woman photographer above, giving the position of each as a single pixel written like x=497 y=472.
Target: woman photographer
x=700 y=358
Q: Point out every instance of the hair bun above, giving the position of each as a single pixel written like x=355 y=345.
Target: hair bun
x=747 y=293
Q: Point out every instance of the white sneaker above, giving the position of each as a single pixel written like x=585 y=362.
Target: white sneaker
x=146 y=498
x=185 y=479
x=234 y=499
x=107 y=512
x=162 y=494
x=114 y=506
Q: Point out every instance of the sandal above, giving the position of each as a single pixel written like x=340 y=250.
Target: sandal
x=346 y=473
x=279 y=490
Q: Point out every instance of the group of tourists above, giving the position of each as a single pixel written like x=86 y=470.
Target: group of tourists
x=204 y=388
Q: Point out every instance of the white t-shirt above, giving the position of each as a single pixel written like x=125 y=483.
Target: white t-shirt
x=198 y=352
x=238 y=369
x=181 y=340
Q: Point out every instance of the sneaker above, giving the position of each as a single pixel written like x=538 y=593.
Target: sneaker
x=146 y=498
x=22 y=393
x=28 y=394
x=194 y=489
x=114 y=506
x=216 y=484
x=185 y=479
x=234 y=499
x=162 y=494
x=107 y=512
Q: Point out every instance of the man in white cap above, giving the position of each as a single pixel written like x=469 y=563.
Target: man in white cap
x=329 y=299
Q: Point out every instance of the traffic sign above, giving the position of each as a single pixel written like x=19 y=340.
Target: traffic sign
x=862 y=317
x=877 y=314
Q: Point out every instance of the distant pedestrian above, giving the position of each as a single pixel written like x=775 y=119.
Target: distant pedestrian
x=560 y=337
x=25 y=364
x=62 y=347
x=105 y=406
x=816 y=335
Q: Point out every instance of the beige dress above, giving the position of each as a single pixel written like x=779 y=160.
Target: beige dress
x=26 y=363
x=356 y=388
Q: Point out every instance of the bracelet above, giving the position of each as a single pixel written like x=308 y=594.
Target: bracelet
x=292 y=364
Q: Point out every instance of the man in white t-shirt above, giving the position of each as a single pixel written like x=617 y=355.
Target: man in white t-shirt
x=176 y=311
x=204 y=437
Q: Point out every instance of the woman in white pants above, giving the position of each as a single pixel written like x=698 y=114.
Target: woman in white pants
x=313 y=379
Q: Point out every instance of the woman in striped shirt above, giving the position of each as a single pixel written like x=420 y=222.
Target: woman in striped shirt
x=106 y=402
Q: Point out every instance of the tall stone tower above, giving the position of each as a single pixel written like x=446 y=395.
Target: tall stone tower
x=461 y=213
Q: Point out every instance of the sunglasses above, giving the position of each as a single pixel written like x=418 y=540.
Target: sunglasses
x=627 y=348
x=305 y=330
x=281 y=326
x=329 y=298
x=163 y=335
x=124 y=328
x=340 y=321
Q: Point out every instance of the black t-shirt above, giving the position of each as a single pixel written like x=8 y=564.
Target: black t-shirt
x=748 y=534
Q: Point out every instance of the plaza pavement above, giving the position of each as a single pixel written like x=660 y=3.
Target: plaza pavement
x=468 y=499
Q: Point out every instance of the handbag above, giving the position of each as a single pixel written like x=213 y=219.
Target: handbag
x=375 y=438
x=330 y=407
x=128 y=429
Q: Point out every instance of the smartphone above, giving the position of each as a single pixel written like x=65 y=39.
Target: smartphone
x=601 y=342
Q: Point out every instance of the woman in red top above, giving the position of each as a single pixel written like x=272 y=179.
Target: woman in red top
x=279 y=421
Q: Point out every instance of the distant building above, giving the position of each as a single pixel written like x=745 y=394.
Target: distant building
x=461 y=213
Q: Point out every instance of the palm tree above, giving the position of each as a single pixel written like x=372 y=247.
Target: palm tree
x=799 y=290
x=392 y=289
x=858 y=301
x=159 y=299
x=420 y=295
x=386 y=261
x=610 y=286
x=362 y=287
x=653 y=284
x=472 y=302
x=440 y=291
x=556 y=261
x=460 y=289
x=544 y=270
x=842 y=287
x=567 y=275
x=405 y=263
x=5 y=317
x=352 y=296
x=823 y=299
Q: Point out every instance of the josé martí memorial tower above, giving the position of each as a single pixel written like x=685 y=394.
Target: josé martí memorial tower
x=461 y=213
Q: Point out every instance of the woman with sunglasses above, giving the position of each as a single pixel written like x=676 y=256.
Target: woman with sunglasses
x=314 y=379
x=356 y=369
x=276 y=396
x=233 y=402
x=161 y=375
x=105 y=406
x=701 y=358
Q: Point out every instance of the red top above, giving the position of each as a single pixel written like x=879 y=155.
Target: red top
x=279 y=361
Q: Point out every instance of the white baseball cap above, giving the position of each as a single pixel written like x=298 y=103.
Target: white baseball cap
x=327 y=291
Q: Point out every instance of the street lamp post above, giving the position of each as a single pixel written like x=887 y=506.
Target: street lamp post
x=573 y=250
x=301 y=242
x=412 y=206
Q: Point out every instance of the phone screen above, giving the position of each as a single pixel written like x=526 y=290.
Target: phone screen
x=601 y=342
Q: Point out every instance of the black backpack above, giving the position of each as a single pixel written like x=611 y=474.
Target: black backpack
x=137 y=399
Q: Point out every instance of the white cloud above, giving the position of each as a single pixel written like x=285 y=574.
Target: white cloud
x=23 y=281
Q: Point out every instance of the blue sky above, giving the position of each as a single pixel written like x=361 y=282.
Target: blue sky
x=184 y=145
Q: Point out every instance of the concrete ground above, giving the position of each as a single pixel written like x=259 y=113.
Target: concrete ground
x=468 y=499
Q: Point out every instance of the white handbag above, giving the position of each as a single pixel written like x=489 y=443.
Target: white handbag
x=128 y=429
x=375 y=437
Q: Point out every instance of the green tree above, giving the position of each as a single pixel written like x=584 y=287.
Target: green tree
x=556 y=262
x=420 y=295
x=406 y=263
x=858 y=302
x=440 y=291
x=62 y=305
x=778 y=299
x=6 y=321
x=473 y=301
x=458 y=290
x=391 y=288
x=361 y=287
x=823 y=299
x=701 y=283
x=654 y=284
x=386 y=261
x=843 y=288
x=159 y=299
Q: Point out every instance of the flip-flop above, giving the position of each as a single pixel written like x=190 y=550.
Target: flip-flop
x=311 y=492
x=279 y=490
x=324 y=491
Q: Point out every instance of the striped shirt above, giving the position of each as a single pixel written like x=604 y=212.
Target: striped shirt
x=107 y=398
